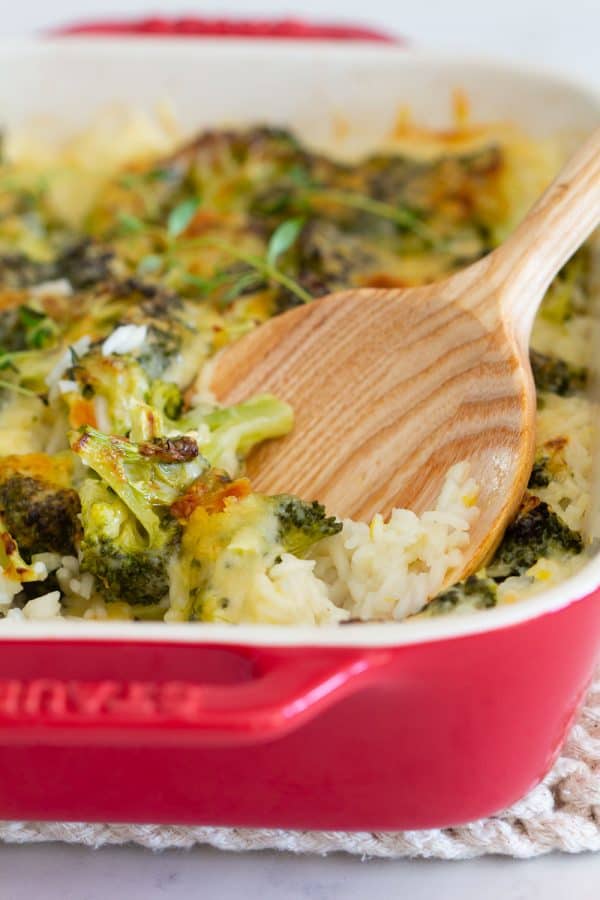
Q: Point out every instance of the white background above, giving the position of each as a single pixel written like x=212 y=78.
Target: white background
x=565 y=36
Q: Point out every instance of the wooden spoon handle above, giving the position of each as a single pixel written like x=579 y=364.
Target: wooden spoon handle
x=561 y=220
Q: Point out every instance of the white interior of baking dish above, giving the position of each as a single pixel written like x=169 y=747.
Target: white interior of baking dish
x=310 y=87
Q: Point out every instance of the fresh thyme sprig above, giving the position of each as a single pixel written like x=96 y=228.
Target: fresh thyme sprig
x=261 y=264
x=172 y=237
x=281 y=240
x=18 y=389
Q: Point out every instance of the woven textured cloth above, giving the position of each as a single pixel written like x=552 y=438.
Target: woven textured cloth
x=562 y=813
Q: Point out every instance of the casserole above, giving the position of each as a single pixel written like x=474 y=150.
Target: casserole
x=426 y=724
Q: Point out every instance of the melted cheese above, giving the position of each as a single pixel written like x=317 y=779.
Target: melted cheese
x=24 y=425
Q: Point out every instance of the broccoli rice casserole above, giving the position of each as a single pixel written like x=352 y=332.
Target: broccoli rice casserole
x=129 y=259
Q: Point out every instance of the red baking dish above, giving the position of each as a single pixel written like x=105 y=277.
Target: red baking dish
x=195 y=26
x=382 y=726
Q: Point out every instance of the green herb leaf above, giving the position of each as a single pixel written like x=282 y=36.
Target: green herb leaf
x=39 y=328
x=181 y=216
x=245 y=282
x=41 y=337
x=266 y=269
x=282 y=239
x=18 y=389
x=149 y=264
x=136 y=180
x=7 y=361
x=204 y=285
x=162 y=174
x=30 y=317
x=129 y=224
x=300 y=176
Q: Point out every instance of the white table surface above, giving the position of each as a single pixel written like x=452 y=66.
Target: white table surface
x=547 y=32
x=53 y=872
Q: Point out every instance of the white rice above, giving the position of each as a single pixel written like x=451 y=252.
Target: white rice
x=292 y=595
x=124 y=339
x=102 y=414
x=568 y=494
x=60 y=287
x=47 y=606
x=66 y=386
x=8 y=591
x=390 y=569
x=65 y=362
x=370 y=571
x=563 y=340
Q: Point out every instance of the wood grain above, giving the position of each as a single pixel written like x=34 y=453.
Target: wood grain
x=390 y=388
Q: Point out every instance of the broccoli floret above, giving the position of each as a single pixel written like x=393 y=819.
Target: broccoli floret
x=302 y=524
x=42 y=517
x=476 y=591
x=328 y=257
x=137 y=576
x=299 y=524
x=550 y=462
x=161 y=347
x=19 y=271
x=129 y=535
x=153 y=300
x=568 y=294
x=118 y=387
x=419 y=183
x=134 y=406
x=557 y=376
x=148 y=476
x=82 y=262
x=329 y=260
x=535 y=533
x=228 y=546
x=257 y=154
x=540 y=476
x=225 y=167
x=235 y=430
x=166 y=398
x=39 y=506
x=115 y=394
x=169 y=328
x=129 y=565
x=13 y=566
x=232 y=540
x=141 y=303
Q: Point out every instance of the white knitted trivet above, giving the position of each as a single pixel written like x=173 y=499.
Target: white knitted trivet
x=562 y=813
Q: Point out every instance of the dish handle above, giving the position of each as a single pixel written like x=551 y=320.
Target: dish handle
x=282 y=693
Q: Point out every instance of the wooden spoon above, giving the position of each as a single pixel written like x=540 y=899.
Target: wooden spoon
x=391 y=388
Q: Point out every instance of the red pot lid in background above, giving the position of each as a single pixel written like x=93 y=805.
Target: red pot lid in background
x=192 y=26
